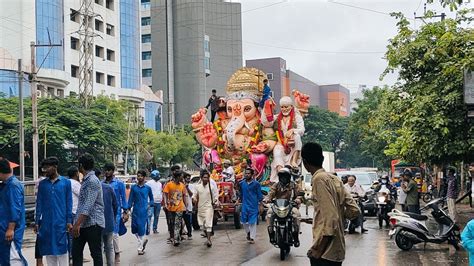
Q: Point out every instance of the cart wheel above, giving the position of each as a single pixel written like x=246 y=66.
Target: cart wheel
x=237 y=223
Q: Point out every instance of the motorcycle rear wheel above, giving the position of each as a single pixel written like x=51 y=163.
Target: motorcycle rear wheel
x=403 y=242
x=427 y=197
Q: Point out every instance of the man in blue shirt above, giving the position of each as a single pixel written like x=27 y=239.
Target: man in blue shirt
x=250 y=196
x=119 y=189
x=140 y=199
x=90 y=215
x=110 y=212
x=12 y=216
x=53 y=219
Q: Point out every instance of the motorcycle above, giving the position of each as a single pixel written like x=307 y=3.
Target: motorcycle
x=351 y=225
x=283 y=227
x=428 y=195
x=384 y=205
x=411 y=231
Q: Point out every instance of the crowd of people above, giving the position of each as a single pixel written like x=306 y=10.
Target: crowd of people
x=72 y=211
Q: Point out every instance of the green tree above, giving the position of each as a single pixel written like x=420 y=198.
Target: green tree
x=363 y=145
x=326 y=128
x=66 y=128
x=424 y=118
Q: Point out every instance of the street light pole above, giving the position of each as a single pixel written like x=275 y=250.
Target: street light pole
x=34 y=110
x=22 y=121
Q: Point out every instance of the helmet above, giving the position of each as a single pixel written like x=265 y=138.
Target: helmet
x=284 y=176
x=155 y=174
x=384 y=179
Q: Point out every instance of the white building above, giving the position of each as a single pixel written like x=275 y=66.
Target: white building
x=117 y=50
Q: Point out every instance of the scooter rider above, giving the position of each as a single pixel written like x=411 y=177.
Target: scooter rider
x=285 y=189
x=385 y=181
x=356 y=190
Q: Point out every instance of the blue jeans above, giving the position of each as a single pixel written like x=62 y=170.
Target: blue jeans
x=154 y=211
x=107 y=240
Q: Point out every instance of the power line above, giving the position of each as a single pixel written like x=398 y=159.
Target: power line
x=315 y=51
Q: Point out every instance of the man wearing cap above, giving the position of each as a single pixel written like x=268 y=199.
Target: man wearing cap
x=228 y=172
x=12 y=216
x=285 y=189
x=155 y=208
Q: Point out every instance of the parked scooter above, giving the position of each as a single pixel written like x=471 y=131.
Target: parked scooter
x=351 y=225
x=411 y=231
x=429 y=194
x=283 y=226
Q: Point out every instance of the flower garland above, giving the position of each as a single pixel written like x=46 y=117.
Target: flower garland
x=279 y=133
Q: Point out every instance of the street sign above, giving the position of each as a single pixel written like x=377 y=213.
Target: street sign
x=469 y=87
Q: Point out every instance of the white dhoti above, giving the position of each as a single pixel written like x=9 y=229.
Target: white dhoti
x=205 y=218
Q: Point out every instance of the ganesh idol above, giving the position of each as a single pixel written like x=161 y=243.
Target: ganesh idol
x=238 y=133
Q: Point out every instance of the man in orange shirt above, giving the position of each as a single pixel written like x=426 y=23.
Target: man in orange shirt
x=174 y=195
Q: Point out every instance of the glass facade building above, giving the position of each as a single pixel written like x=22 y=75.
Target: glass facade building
x=153 y=115
x=130 y=44
x=9 y=84
x=50 y=27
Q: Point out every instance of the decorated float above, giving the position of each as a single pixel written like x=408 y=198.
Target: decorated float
x=249 y=132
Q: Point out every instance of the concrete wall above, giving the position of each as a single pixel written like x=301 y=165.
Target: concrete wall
x=335 y=98
x=221 y=22
x=306 y=86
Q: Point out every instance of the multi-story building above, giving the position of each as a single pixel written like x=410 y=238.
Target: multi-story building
x=335 y=98
x=196 y=45
x=283 y=81
x=116 y=59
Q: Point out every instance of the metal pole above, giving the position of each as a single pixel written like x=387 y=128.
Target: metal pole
x=44 y=141
x=34 y=111
x=22 y=122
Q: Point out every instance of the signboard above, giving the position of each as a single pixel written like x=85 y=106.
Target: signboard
x=469 y=87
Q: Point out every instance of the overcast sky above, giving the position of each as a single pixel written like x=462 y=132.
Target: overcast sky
x=324 y=41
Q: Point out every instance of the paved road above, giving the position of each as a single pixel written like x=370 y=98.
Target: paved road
x=231 y=248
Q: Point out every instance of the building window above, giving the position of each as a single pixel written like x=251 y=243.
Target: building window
x=99 y=25
x=110 y=30
x=146 y=55
x=146 y=21
x=110 y=55
x=146 y=38
x=99 y=77
x=60 y=93
x=75 y=43
x=270 y=76
x=146 y=4
x=110 y=80
x=109 y=4
x=207 y=48
x=49 y=23
x=74 y=71
x=207 y=63
x=74 y=16
x=51 y=91
x=99 y=2
x=146 y=73
x=99 y=51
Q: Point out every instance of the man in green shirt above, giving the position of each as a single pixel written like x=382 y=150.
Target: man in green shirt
x=411 y=190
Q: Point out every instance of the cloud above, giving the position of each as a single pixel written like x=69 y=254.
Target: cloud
x=348 y=43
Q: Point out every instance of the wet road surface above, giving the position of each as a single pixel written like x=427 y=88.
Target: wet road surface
x=231 y=248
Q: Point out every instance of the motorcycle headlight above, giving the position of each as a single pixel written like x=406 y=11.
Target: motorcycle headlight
x=381 y=198
x=281 y=212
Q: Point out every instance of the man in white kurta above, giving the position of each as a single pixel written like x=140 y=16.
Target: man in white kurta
x=289 y=126
x=204 y=198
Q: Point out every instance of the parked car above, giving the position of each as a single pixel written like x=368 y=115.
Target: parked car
x=365 y=179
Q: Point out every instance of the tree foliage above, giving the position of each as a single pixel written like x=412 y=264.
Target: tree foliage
x=66 y=127
x=326 y=128
x=423 y=119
